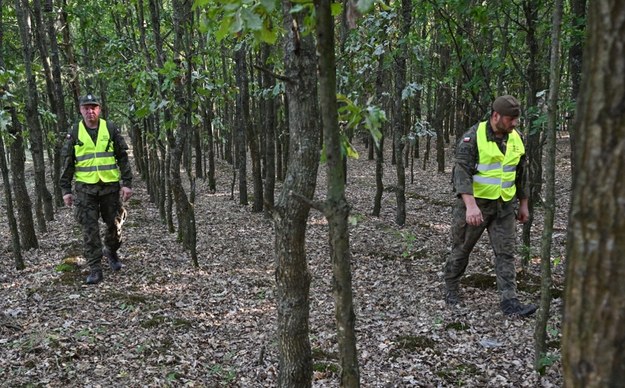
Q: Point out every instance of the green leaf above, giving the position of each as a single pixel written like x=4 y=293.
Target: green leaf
x=223 y=29
x=266 y=35
x=365 y=6
x=237 y=25
x=252 y=20
x=336 y=8
x=269 y=5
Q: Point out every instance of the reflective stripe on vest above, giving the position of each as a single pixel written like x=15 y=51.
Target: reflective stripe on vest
x=496 y=172
x=95 y=162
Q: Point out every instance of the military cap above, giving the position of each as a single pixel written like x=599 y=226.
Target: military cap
x=507 y=106
x=89 y=99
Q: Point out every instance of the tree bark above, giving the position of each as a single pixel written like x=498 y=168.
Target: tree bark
x=399 y=116
x=28 y=236
x=243 y=122
x=291 y=213
x=549 y=204
x=594 y=317
x=269 y=124
x=4 y=169
x=184 y=209
x=44 y=210
x=576 y=51
x=336 y=208
x=533 y=133
x=379 y=148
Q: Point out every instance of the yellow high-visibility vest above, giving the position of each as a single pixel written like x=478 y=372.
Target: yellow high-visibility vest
x=95 y=162
x=496 y=172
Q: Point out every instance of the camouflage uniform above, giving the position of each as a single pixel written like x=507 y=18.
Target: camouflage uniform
x=499 y=218
x=93 y=201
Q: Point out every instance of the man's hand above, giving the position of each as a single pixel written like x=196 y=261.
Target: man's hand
x=524 y=214
x=68 y=199
x=126 y=193
x=474 y=214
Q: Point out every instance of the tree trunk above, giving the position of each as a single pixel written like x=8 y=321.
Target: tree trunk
x=576 y=51
x=28 y=237
x=243 y=122
x=533 y=133
x=336 y=208
x=269 y=124
x=291 y=213
x=44 y=210
x=4 y=169
x=593 y=336
x=57 y=80
x=399 y=116
x=184 y=209
x=379 y=148
x=540 y=331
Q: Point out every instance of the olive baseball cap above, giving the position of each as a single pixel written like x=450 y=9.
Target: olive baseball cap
x=89 y=99
x=507 y=106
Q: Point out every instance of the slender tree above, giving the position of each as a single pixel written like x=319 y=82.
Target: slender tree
x=43 y=201
x=336 y=208
x=242 y=120
x=182 y=20
x=594 y=315
x=540 y=331
x=399 y=112
x=4 y=169
x=291 y=212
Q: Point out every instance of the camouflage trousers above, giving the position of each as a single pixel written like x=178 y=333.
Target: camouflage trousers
x=89 y=207
x=499 y=220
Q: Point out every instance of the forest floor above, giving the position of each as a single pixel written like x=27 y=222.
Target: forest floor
x=162 y=322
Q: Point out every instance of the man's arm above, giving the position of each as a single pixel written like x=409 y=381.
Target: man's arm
x=121 y=156
x=521 y=190
x=464 y=169
x=123 y=162
x=67 y=165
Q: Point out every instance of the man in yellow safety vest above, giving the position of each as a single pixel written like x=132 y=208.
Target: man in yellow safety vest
x=95 y=155
x=488 y=176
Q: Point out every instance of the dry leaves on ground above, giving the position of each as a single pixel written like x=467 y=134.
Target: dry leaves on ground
x=161 y=322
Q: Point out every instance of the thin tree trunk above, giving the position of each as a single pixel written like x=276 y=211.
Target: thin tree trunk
x=243 y=122
x=379 y=148
x=593 y=343
x=44 y=210
x=540 y=331
x=533 y=134
x=269 y=124
x=57 y=80
x=399 y=116
x=8 y=196
x=336 y=208
x=576 y=51
x=184 y=208
x=291 y=213
x=28 y=237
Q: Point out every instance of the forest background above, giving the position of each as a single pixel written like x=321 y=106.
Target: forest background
x=224 y=287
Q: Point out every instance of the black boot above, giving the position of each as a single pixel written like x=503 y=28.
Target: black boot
x=513 y=308
x=114 y=262
x=95 y=276
x=452 y=297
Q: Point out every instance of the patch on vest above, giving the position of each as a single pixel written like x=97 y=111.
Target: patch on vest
x=466 y=139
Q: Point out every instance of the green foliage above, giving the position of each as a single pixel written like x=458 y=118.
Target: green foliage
x=352 y=115
x=545 y=361
x=239 y=17
x=409 y=240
